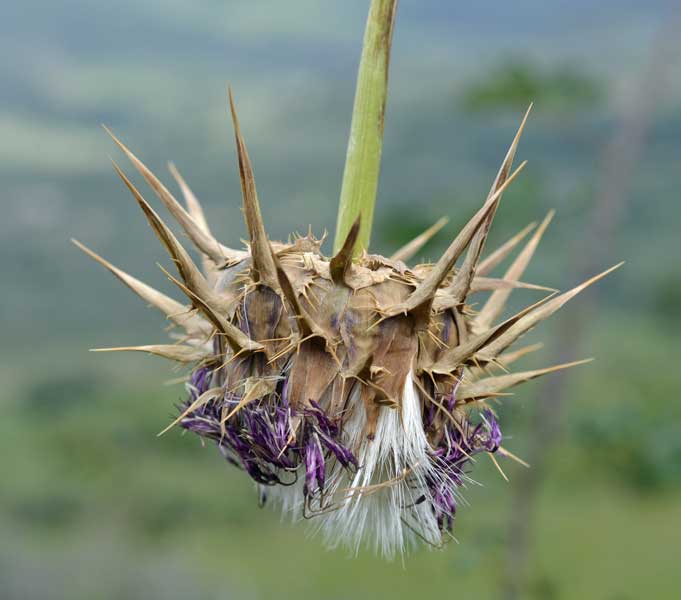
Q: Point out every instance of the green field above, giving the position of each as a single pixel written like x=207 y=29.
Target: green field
x=94 y=505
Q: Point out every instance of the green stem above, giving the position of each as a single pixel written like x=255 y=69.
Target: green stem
x=363 y=159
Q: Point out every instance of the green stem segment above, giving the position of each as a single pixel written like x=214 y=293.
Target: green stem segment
x=363 y=158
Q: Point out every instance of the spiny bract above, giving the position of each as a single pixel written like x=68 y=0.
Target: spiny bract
x=351 y=391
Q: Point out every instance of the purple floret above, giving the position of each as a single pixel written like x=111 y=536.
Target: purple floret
x=450 y=458
x=259 y=438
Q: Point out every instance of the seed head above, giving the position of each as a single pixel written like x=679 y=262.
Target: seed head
x=354 y=392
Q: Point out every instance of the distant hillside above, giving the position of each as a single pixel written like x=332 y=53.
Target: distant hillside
x=156 y=72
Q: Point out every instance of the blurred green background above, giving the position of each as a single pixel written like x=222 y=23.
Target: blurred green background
x=93 y=505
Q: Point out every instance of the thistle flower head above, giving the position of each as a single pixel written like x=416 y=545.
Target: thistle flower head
x=353 y=392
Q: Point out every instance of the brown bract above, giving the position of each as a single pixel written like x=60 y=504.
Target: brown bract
x=334 y=326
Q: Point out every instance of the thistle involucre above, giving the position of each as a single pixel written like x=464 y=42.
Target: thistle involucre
x=352 y=391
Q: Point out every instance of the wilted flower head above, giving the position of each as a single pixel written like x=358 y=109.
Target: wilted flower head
x=353 y=392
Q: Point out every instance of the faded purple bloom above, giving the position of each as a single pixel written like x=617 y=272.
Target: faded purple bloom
x=450 y=458
x=199 y=381
x=273 y=443
x=315 y=473
x=495 y=437
x=260 y=437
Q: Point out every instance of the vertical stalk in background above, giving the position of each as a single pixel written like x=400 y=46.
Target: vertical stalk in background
x=363 y=158
x=620 y=159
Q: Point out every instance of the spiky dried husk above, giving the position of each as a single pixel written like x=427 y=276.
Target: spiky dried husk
x=354 y=392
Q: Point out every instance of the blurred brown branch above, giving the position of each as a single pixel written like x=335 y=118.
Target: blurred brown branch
x=620 y=158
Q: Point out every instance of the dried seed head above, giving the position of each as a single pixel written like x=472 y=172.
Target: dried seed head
x=351 y=391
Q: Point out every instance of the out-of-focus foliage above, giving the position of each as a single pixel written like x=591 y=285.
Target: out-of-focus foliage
x=667 y=297
x=513 y=85
x=625 y=417
x=642 y=450
x=94 y=506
